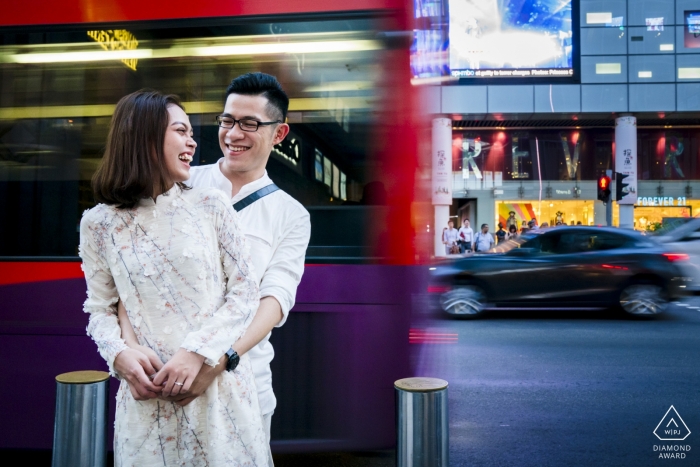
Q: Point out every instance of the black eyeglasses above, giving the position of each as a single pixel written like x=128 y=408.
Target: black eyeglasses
x=245 y=124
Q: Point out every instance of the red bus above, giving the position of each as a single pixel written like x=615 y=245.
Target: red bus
x=351 y=159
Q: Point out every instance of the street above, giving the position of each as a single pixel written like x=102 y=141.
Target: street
x=566 y=388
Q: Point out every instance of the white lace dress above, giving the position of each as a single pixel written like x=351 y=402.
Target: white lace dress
x=182 y=269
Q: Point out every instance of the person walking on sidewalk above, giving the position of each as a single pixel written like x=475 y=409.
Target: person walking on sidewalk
x=465 y=237
x=483 y=240
x=449 y=238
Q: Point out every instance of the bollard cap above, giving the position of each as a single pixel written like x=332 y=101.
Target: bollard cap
x=421 y=384
x=82 y=377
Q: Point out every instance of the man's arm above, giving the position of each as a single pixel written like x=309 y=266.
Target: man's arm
x=268 y=316
x=278 y=291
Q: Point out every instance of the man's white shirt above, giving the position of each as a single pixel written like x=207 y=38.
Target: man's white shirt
x=277 y=228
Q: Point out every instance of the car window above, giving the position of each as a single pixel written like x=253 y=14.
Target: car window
x=543 y=243
x=581 y=242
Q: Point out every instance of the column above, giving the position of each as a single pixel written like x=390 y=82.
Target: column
x=626 y=164
x=441 y=178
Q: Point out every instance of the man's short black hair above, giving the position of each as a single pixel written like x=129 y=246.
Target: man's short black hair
x=262 y=84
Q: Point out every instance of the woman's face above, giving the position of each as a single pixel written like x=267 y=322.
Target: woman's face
x=178 y=146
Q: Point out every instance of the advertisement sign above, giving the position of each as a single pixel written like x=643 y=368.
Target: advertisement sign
x=691 y=35
x=515 y=213
x=626 y=157
x=442 y=162
x=510 y=39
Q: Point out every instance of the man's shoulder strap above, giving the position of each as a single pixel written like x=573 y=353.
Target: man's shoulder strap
x=256 y=195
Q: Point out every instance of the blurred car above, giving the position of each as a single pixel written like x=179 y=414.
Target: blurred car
x=686 y=239
x=565 y=267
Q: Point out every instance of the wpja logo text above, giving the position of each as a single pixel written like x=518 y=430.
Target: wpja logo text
x=671 y=451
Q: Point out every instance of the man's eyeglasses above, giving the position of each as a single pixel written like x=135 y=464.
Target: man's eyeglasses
x=245 y=124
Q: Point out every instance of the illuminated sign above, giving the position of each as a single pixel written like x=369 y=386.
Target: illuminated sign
x=289 y=151
x=510 y=38
x=661 y=201
x=117 y=39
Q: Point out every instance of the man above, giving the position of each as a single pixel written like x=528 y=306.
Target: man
x=484 y=240
x=449 y=237
x=500 y=234
x=276 y=226
x=465 y=237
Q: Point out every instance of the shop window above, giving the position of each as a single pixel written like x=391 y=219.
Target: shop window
x=669 y=154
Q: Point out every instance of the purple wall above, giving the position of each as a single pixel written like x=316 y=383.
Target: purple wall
x=337 y=357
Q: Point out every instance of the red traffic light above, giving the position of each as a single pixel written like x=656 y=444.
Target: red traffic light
x=604 y=188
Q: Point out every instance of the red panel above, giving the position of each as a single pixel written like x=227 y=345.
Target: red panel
x=19 y=273
x=96 y=11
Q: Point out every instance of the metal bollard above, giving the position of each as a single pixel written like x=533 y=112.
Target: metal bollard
x=422 y=423
x=80 y=428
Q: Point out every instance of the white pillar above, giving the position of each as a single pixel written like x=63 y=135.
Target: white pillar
x=442 y=215
x=626 y=164
x=599 y=213
x=442 y=178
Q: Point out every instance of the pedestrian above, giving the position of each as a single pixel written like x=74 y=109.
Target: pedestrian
x=483 y=241
x=500 y=234
x=544 y=225
x=449 y=239
x=465 y=237
x=512 y=232
x=277 y=226
x=178 y=260
x=523 y=228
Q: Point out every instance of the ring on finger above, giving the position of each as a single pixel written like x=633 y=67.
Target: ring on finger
x=179 y=384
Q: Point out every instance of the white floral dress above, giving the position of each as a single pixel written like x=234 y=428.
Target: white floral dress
x=182 y=269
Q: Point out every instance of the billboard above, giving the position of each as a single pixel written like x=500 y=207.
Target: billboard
x=494 y=39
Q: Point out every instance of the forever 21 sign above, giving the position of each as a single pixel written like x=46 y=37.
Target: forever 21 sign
x=661 y=201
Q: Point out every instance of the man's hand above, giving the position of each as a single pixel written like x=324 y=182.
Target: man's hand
x=135 y=368
x=204 y=378
x=179 y=373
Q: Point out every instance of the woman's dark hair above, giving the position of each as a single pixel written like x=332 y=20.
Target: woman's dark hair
x=512 y=228
x=133 y=163
x=262 y=84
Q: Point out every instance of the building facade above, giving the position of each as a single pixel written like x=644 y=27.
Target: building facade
x=536 y=148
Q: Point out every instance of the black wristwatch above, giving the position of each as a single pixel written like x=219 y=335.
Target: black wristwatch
x=233 y=360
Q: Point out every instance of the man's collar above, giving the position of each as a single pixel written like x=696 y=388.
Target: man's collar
x=247 y=188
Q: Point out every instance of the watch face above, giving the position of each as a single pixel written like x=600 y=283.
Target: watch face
x=233 y=360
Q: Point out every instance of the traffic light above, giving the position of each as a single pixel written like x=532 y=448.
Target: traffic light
x=604 y=188
x=619 y=186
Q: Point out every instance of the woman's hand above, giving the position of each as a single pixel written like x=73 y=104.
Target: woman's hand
x=134 y=367
x=177 y=375
x=150 y=355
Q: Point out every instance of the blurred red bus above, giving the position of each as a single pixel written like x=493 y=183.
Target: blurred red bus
x=350 y=159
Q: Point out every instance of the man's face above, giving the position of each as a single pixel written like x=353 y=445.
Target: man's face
x=248 y=151
x=485 y=229
x=466 y=223
x=450 y=225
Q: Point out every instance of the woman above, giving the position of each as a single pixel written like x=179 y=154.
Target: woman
x=177 y=260
x=512 y=232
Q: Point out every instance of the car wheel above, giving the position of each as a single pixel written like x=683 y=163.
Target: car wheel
x=467 y=301
x=643 y=299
